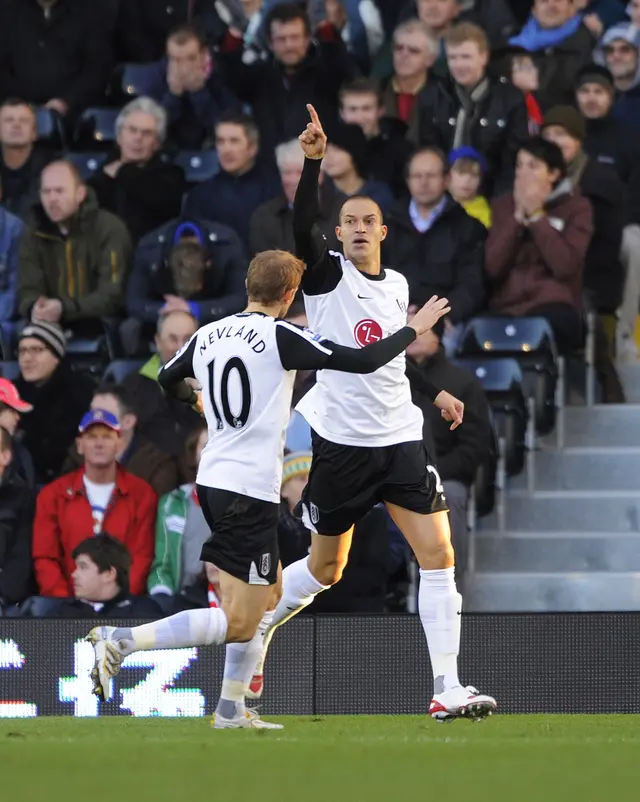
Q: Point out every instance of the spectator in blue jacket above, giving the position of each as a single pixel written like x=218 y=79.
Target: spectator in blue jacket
x=189 y=266
x=188 y=86
x=11 y=228
x=243 y=182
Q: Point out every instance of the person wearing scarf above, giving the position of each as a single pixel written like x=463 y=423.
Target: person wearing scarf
x=562 y=43
x=471 y=109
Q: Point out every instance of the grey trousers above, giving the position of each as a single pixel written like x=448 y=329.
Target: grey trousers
x=457 y=496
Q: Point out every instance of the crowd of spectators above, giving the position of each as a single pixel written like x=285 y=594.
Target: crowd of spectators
x=497 y=136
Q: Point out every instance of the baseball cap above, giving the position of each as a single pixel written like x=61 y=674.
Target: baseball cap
x=99 y=417
x=10 y=396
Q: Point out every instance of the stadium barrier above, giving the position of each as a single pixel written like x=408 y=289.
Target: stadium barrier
x=323 y=665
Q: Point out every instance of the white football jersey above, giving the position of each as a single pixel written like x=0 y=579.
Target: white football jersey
x=354 y=309
x=240 y=362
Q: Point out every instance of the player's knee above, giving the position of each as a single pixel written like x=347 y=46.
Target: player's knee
x=240 y=629
x=439 y=554
x=327 y=571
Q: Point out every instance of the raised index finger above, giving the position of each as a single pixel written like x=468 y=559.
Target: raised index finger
x=314 y=115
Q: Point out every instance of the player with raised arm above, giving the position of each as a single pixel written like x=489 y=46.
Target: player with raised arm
x=367 y=434
x=245 y=365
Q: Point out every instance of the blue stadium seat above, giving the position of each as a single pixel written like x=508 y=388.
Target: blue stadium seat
x=198 y=165
x=530 y=341
x=502 y=381
x=507 y=335
x=135 y=79
x=119 y=369
x=49 y=126
x=495 y=375
x=9 y=370
x=87 y=162
x=96 y=128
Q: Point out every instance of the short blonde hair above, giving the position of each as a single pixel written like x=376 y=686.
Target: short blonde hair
x=467 y=32
x=271 y=275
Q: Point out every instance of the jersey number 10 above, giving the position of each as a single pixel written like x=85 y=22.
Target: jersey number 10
x=237 y=421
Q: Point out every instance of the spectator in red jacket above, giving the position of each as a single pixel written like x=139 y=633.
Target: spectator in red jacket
x=536 y=250
x=100 y=496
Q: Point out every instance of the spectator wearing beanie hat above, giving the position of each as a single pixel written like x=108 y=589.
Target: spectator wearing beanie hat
x=612 y=143
x=603 y=274
x=58 y=395
x=346 y=165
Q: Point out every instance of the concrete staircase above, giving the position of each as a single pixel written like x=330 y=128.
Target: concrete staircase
x=568 y=537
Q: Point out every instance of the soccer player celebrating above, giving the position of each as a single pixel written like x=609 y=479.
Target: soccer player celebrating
x=245 y=364
x=367 y=434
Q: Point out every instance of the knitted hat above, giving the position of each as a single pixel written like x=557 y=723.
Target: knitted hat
x=297 y=463
x=595 y=74
x=467 y=152
x=351 y=139
x=49 y=334
x=568 y=118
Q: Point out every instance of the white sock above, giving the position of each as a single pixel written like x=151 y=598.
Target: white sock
x=299 y=589
x=440 y=608
x=189 y=628
x=239 y=665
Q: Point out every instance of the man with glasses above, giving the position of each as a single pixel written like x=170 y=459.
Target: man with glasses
x=59 y=397
x=618 y=49
x=414 y=53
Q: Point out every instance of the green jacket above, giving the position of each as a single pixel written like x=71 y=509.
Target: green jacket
x=166 y=571
x=85 y=270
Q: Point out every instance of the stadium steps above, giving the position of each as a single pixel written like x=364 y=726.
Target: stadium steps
x=569 y=535
x=544 y=592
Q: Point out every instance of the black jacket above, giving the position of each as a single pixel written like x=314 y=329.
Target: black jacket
x=232 y=199
x=143 y=26
x=223 y=292
x=271 y=224
x=501 y=123
x=145 y=197
x=20 y=187
x=558 y=67
x=165 y=421
x=460 y=452
x=447 y=260
x=389 y=153
x=122 y=606
x=65 y=54
x=279 y=100
x=58 y=407
x=603 y=271
x=614 y=144
x=17 y=508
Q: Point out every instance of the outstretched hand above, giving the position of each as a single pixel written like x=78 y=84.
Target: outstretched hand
x=426 y=317
x=313 y=139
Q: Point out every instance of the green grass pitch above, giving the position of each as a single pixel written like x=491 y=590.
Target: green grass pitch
x=333 y=759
